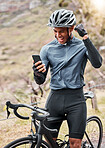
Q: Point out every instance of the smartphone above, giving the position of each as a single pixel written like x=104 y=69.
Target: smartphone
x=36 y=58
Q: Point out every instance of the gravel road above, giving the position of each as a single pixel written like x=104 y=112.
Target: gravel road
x=103 y=142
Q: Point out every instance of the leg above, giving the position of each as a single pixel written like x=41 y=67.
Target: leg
x=77 y=122
x=55 y=109
x=75 y=143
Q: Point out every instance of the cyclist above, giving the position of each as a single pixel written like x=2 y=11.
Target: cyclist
x=67 y=57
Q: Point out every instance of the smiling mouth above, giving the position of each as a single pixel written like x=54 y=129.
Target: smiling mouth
x=60 y=39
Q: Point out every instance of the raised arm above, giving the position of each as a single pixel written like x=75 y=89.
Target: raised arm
x=92 y=53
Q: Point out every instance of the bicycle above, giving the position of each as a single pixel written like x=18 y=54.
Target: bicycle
x=92 y=137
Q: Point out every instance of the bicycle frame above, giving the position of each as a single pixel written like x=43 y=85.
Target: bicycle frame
x=41 y=115
x=41 y=129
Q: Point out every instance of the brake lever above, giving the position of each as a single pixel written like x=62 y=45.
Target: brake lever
x=14 y=107
x=8 y=112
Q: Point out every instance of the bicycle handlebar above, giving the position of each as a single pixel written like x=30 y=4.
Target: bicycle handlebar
x=37 y=110
x=16 y=106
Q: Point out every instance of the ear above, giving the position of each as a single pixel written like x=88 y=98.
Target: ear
x=71 y=29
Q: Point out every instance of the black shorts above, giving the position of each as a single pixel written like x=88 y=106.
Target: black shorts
x=70 y=103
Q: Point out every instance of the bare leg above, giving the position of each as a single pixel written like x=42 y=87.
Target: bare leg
x=75 y=143
x=54 y=139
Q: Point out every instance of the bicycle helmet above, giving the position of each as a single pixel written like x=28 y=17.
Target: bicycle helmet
x=62 y=18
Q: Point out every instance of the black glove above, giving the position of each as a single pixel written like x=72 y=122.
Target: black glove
x=38 y=76
x=80 y=29
x=36 y=73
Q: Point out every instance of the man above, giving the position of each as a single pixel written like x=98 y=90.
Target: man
x=67 y=57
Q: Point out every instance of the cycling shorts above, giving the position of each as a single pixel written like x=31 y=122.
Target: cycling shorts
x=70 y=103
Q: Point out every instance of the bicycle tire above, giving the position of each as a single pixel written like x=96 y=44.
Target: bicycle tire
x=93 y=133
x=25 y=142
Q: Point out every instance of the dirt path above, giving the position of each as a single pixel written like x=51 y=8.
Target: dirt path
x=103 y=141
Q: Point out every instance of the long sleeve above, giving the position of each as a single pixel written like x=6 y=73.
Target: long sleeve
x=93 y=54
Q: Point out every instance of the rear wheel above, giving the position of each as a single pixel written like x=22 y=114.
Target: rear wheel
x=26 y=142
x=93 y=133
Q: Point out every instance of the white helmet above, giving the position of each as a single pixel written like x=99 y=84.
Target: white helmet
x=62 y=18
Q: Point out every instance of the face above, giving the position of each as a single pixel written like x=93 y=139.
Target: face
x=62 y=34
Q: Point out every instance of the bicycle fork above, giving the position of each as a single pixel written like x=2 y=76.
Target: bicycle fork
x=39 y=136
x=36 y=140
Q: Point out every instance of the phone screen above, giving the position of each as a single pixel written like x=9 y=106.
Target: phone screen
x=36 y=58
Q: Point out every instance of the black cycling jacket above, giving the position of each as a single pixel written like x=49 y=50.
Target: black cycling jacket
x=67 y=62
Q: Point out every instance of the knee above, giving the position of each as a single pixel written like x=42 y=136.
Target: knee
x=75 y=143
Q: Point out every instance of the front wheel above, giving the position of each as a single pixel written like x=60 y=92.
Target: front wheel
x=93 y=133
x=26 y=142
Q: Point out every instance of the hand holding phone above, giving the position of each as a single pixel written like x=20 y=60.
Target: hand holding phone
x=39 y=69
x=39 y=66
